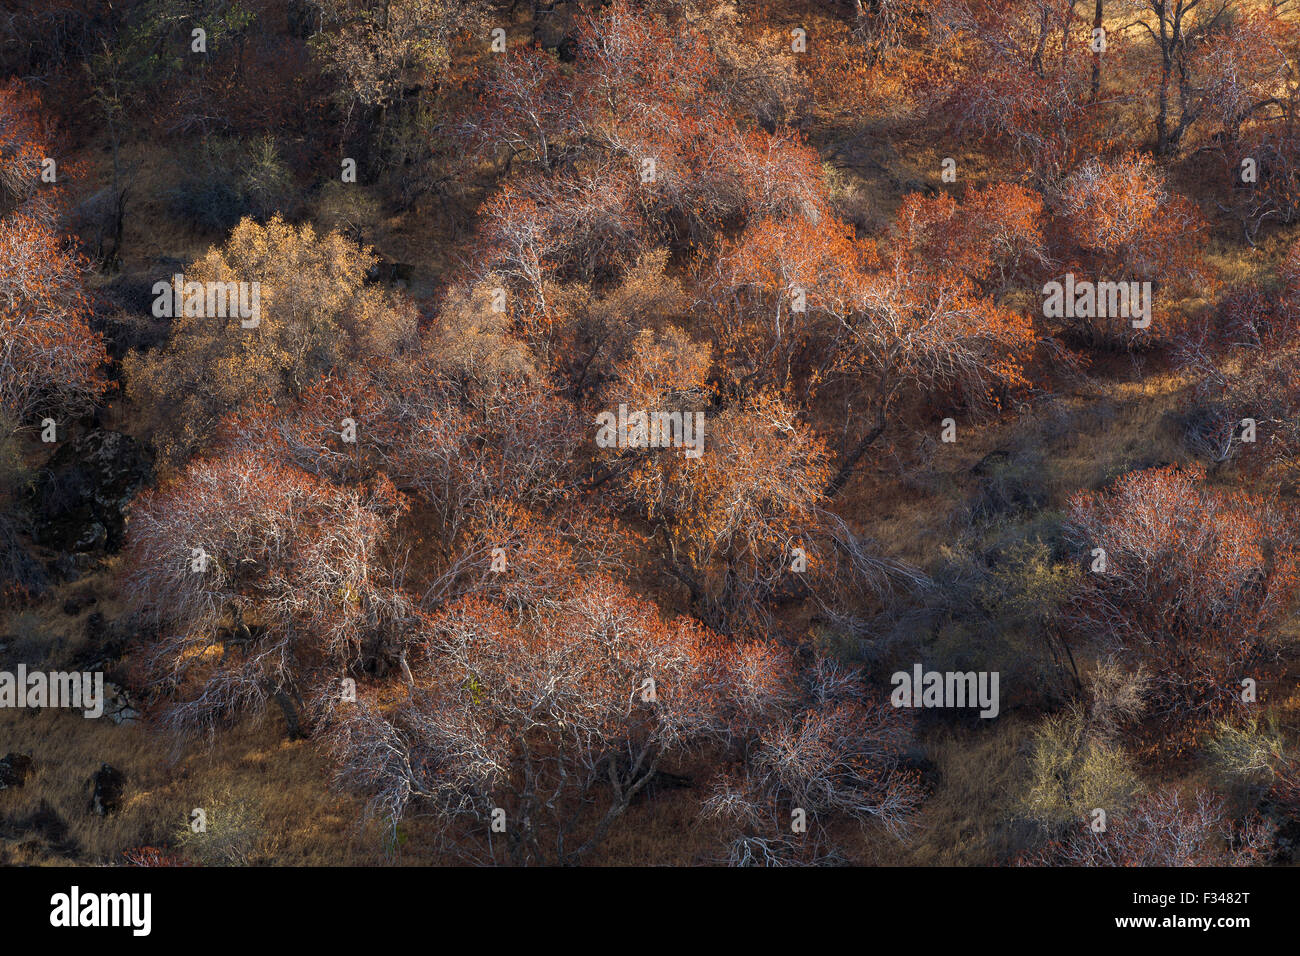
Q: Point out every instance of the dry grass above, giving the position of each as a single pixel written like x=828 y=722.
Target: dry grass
x=969 y=818
x=304 y=823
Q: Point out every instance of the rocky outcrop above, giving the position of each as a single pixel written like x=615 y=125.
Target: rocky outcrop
x=118 y=706
x=80 y=498
x=109 y=785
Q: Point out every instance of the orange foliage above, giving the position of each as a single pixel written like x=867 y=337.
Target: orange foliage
x=49 y=357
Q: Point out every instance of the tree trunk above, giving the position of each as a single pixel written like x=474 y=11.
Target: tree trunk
x=851 y=460
x=290 y=715
x=1096 y=56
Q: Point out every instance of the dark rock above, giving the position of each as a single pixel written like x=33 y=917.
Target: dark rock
x=14 y=769
x=92 y=539
x=107 y=794
x=119 y=707
x=79 y=499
